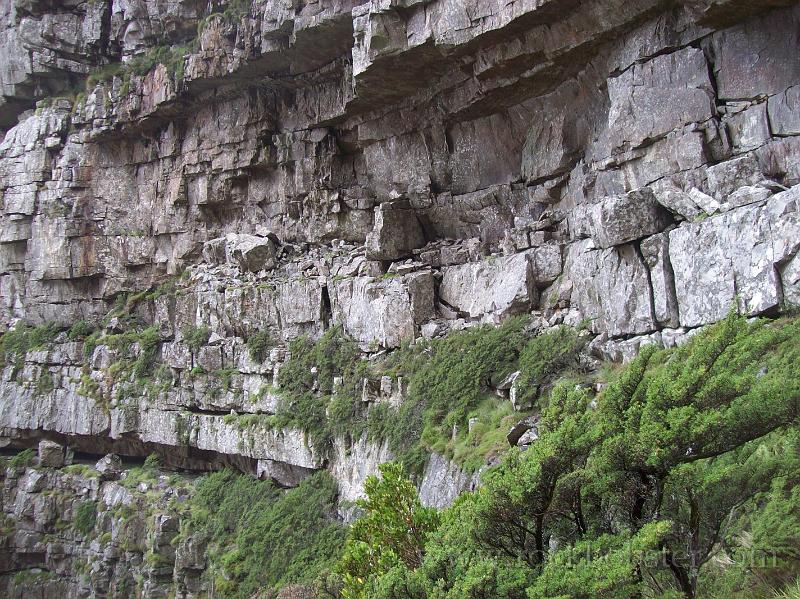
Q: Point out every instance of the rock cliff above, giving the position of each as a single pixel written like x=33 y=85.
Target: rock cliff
x=179 y=178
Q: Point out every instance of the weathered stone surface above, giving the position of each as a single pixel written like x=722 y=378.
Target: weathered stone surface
x=749 y=128
x=494 y=286
x=784 y=112
x=651 y=99
x=748 y=62
x=619 y=219
x=353 y=462
x=730 y=261
x=676 y=200
x=383 y=312
x=42 y=506
x=418 y=167
x=51 y=454
x=396 y=233
x=619 y=299
x=443 y=481
x=109 y=467
x=655 y=251
x=248 y=252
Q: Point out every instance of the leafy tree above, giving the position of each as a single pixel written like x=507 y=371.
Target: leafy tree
x=391 y=534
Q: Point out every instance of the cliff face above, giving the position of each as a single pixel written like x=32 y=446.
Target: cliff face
x=401 y=168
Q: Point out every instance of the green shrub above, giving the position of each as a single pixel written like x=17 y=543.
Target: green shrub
x=258 y=346
x=225 y=377
x=391 y=533
x=23 y=459
x=86 y=517
x=544 y=357
x=680 y=480
x=16 y=342
x=333 y=355
x=152 y=462
x=149 y=343
x=45 y=383
x=448 y=380
x=196 y=337
x=105 y=73
x=80 y=331
x=90 y=343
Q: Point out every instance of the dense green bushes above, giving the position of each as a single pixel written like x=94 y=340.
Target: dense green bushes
x=679 y=480
x=310 y=399
x=24 y=458
x=391 y=532
x=260 y=536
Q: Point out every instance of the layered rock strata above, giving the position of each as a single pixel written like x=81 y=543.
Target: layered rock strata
x=400 y=168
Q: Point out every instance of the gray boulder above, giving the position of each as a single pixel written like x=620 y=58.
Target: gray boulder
x=521 y=428
x=396 y=232
x=443 y=481
x=496 y=286
x=251 y=253
x=619 y=219
x=386 y=311
x=109 y=467
x=51 y=454
x=611 y=288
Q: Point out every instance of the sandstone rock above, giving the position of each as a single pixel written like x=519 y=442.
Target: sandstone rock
x=530 y=423
x=251 y=253
x=507 y=382
x=353 y=462
x=396 y=232
x=109 y=467
x=282 y=474
x=525 y=129
x=784 y=112
x=51 y=454
x=383 y=312
x=748 y=62
x=726 y=177
x=748 y=194
x=443 y=481
x=619 y=299
x=655 y=251
x=790 y=281
x=704 y=201
x=653 y=98
x=676 y=200
x=494 y=287
x=624 y=350
x=619 y=219
x=528 y=437
x=749 y=128
x=547 y=263
x=729 y=261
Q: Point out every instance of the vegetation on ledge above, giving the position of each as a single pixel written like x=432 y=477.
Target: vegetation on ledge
x=449 y=382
